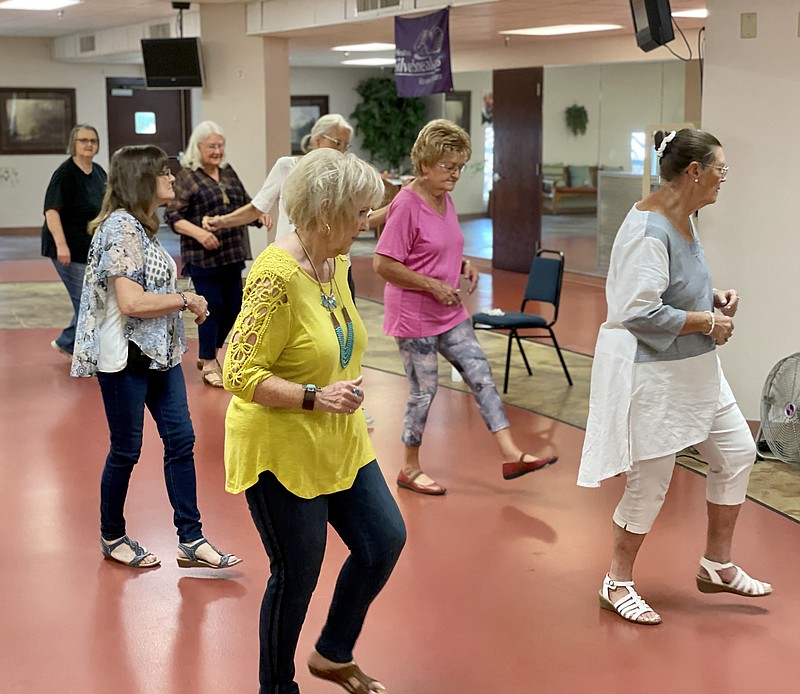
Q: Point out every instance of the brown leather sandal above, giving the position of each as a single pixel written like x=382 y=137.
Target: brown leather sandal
x=350 y=678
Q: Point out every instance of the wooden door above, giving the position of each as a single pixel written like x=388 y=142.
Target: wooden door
x=163 y=115
x=516 y=193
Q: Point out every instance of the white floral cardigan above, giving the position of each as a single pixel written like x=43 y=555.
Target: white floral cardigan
x=122 y=248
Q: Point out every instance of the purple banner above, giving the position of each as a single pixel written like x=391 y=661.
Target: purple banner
x=422 y=54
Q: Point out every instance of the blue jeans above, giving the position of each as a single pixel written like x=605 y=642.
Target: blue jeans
x=294 y=532
x=72 y=277
x=125 y=395
x=223 y=292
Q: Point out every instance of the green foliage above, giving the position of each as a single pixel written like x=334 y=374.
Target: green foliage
x=388 y=124
x=8 y=175
x=576 y=118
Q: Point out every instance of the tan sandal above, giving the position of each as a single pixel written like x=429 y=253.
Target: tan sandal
x=213 y=378
x=742 y=584
x=630 y=607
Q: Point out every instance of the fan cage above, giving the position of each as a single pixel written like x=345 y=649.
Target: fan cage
x=780 y=409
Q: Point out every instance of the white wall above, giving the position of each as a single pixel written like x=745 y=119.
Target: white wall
x=339 y=84
x=751 y=102
x=25 y=62
x=620 y=98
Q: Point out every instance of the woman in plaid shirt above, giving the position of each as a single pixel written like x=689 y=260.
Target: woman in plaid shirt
x=208 y=185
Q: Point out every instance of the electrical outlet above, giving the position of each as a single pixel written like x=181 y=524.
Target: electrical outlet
x=749 y=25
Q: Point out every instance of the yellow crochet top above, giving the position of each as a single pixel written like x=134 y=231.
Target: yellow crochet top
x=284 y=330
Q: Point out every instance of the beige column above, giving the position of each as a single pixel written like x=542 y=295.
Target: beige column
x=247 y=93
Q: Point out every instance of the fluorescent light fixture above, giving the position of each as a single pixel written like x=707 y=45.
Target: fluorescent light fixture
x=362 y=47
x=369 y=61
x=40 y=5
x=692 y=14
x=562 y=29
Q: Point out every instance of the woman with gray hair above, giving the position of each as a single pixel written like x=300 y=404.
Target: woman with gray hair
x=331 y=131
x=296 y=439
x=72 y=200
x=208 y=185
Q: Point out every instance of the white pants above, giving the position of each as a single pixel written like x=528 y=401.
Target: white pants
x=730 y=453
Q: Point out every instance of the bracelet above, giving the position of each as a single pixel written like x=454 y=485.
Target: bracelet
x=713 y=322
x=185 y=302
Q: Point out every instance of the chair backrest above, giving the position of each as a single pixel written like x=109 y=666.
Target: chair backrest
x=544 y=279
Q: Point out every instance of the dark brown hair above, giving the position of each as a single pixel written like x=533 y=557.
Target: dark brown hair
x=687 y=146
x=132 y=185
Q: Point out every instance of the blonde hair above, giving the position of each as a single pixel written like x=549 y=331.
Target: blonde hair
x=322 y=127
x=191 y=158
x=328 y=189
x=437 y=139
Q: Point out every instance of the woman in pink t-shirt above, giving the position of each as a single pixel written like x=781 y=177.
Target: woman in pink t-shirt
x=420 y=255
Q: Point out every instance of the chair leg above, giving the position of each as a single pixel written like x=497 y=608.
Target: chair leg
x=508 y=361
x=560 y=356
x=522 y=351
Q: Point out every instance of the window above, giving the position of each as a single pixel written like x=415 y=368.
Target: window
x=144 y=123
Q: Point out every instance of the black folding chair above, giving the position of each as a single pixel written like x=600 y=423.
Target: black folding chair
x=544 y=284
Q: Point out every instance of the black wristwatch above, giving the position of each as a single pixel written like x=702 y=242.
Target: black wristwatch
x=310 y=395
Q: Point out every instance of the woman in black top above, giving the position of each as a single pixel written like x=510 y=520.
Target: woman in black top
x=72 y=200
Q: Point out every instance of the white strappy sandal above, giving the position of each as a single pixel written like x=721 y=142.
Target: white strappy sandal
x=742 y=584
x=631 y=607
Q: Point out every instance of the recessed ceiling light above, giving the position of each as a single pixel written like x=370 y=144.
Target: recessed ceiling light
x=41 y=5
x=369 y=61
x=365 y=47
x=695 y=14
x=562 y=29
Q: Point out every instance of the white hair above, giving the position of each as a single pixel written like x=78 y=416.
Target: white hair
x=322 y=127
x=191 y=158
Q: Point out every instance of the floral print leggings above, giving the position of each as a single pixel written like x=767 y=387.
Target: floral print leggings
x=421 y=362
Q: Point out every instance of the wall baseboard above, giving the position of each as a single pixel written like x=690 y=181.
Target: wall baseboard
x=20 y=231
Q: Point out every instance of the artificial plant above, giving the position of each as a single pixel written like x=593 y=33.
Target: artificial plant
x=387 y=123
x=576 y=118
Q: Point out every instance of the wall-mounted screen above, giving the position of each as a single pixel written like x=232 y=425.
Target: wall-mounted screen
x=172 y=63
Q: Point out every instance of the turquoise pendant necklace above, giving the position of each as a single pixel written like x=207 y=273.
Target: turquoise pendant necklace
x=328 y=301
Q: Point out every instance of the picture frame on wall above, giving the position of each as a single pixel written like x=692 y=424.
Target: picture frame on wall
x=304 y=112
x=457 y=108
x=36 y=121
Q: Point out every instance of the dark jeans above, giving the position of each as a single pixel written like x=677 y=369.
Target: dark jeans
x=72 y=277
x=223 y=292
x=125 y=395
x=294 y=532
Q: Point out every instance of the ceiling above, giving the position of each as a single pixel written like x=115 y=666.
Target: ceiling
x=472 y=27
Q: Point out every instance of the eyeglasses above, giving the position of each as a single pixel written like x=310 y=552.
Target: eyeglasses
x=340 y=144
x=213 y=147
x=450 y=168
x=722 y=168
x=87 y=140
x=164 y=172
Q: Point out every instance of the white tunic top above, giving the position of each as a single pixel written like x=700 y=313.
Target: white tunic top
x=653 y=391
x=271 y=191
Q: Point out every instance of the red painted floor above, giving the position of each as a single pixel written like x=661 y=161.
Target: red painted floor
x=496 y=591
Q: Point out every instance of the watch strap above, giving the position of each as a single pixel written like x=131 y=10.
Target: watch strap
x=309 y=397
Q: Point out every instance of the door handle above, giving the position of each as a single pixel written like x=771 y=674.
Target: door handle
x=496 y=177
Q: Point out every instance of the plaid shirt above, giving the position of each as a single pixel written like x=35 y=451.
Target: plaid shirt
x=198 y=195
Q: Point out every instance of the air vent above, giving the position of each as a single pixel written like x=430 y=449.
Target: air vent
x=159 y=31
x=372 y=5
x=86 y=44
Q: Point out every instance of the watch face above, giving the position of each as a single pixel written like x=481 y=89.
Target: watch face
x=311 y=388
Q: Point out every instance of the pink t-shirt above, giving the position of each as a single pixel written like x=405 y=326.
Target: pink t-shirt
x=432 y=245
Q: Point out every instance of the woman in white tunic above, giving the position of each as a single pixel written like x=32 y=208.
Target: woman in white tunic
x=657 y=384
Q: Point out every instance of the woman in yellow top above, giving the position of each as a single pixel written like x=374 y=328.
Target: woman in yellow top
x=296 y=438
